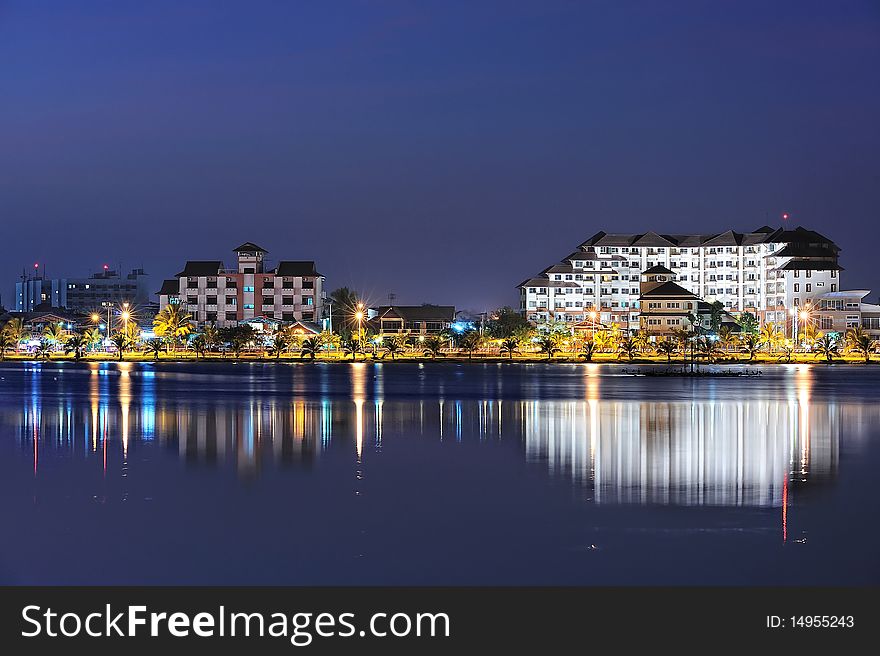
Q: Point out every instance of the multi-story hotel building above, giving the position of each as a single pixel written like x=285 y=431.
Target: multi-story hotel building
x=215 y=294
x=766 y=272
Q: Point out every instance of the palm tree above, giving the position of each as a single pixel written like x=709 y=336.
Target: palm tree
x=827 y=347
x=393 y=345
x=15 y=329
x=93 y=337
x=787 y=351
x=471 y=341
x=280 y=343
x=681 y=335
x=604 y=340
x=629 y=347
x=726 y=337
x=770 y=336
x=859 y=341
x=157 y=345
x=667 y=347
x=751 y=344
x=76 y=343
x=587 y=349
x=510 y=346
x=351 y=346
x=121 y=340
x=6 y=343
x=311 y=346
x=54 y=333
x=344 y=302
x=810 y=335
x=716 y=315
x=709 y=348
x=211 y=337
x=199 y=345
x=173 y=322
x=434 y=346
x=44 y=350
x=549 y=344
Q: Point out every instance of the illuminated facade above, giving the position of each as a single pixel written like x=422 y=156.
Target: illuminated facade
x=766 y=272
x=214 y=294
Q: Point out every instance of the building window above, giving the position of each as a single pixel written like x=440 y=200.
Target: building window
x=211 y=300
x=248 y=289
x=231 y=316
x=248 y=306
x=809 y=287
x=230 y=300
x=308 y=283
x=287 y=300
x=797 y=287
x=268 y=300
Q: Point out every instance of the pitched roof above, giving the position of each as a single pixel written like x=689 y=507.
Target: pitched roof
x=670 y=289
x=198 y=268
x=559 y=268
x=296 y=268
x=810 y=265
x=171 y=286
x=249 y=247
x=658 y=268
x=546 y=282
x=417 y=312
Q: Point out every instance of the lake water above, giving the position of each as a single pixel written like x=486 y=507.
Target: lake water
x=123 y=473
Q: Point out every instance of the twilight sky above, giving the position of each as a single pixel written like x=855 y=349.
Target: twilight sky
x=440 y=150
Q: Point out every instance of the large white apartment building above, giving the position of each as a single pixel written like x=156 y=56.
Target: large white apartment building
x=766 y=272
x=215 y=294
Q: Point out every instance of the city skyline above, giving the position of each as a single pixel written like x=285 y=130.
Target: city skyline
x=361 y=138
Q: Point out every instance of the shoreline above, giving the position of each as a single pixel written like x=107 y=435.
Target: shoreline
x=611 y=360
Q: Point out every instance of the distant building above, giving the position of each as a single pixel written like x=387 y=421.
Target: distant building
x=765 y=272
x=214 y=294
x=416 y=319
x=100 y=290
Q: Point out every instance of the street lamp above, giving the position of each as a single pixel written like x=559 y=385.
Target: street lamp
x=593 y=316
x=359 y=317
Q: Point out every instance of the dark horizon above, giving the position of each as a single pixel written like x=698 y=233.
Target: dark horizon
x=440 y=151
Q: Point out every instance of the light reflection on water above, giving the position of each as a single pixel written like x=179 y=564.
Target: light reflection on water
x=436 y=474
x=717 y=451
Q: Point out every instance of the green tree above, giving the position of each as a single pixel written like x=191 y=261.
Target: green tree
x=771 y=336
x=174 y=323
x=748 y=322
x=787 y=351
x=667 y=347
x=510 y=346
x=16 y=330
x=45 y=349
x=352 y=346
x=433 y=346
x=280 y=343
x=826 y=347
x=393 y=345
x=311 y=347
x=506 y=322
x=93 y=337
x=628 y=346
x=75 y=343
x=470 y=342
x=716 y=315
x=343 y=305
x=751 y=344
x=727 y=338
x=122 y=341
x=211 y=337
x=709 y=348
x=156 y=346
x=199 y=345
x=859 y=341
x=54 y=333
x=587 y=349
x=6 y=344
x=549 y=344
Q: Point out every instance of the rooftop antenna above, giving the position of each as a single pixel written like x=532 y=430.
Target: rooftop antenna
x=391 y=297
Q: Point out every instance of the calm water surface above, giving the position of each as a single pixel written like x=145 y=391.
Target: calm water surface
x=436 y=474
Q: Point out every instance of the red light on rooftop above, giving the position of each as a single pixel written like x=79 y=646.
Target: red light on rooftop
x=36 y=265
x=106 y=267
x=785 y=216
